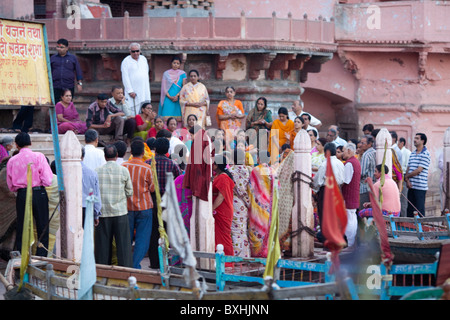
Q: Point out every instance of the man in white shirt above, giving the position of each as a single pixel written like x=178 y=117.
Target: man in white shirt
x=135 y=77
x=93 y=157
x=338 y=141
x=396 y=148
x=297 y=110
x=405 y=158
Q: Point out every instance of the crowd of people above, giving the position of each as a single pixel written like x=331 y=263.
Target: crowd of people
x=250 y=153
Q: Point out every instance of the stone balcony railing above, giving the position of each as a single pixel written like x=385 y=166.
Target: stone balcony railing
x=195 y=34
x=401 y=23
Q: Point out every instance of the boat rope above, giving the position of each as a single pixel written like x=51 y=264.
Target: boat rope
x=297 y=177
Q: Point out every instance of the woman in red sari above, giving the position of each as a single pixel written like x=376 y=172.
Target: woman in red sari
x=223 y=186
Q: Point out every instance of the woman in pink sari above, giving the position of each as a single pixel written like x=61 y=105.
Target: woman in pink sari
x=67 y=115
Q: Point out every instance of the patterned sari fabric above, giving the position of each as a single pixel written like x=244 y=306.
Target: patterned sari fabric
x=144 y=133
x=191 y=93
x=69 y=113
x=286 y=200
x=261 y=183
x=225 y=108
x=171 y=84
x=184 y=201
x=241 y=203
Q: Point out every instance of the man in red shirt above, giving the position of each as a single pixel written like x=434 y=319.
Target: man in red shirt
x=140 y=204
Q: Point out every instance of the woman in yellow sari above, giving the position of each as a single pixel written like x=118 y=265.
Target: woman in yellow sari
x=280 y=133
x=194 y=99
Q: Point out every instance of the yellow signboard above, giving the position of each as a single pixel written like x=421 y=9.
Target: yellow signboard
x=24 y=78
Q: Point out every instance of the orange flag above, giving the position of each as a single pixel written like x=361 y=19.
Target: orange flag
x=334 y=219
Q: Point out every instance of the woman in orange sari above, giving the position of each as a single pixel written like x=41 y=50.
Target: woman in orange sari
x=280 y=133
x=230 y=112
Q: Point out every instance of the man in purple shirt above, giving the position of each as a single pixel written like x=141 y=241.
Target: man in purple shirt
x=42 y=176
x=65 y=68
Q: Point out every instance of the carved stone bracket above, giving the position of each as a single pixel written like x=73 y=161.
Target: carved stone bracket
x=423 y=56
x=296 y=64
x=221 y=62
x=312 y=65
x=349 y=63
x=260 y=62
x=280 y=62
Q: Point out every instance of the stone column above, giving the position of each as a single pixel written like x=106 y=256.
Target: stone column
x=446 y=182
x=302 y=212
x=382 y=136
x=71 y=166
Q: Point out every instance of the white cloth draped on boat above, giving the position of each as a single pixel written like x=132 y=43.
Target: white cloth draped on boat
x=88 y=273
x=176 y=230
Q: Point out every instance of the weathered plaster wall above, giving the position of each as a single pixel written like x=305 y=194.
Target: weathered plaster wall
x=264 y=8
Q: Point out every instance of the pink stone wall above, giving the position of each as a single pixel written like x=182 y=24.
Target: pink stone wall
x=265 y=8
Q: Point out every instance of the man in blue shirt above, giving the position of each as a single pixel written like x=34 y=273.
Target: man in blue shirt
x=65 y=69
x=416 y=177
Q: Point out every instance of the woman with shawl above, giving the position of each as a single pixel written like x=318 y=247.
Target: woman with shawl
x=194 y=99
x=259 y=118
x=260 y=213
x=67 y=115
x=171 y=84
x=241 y=202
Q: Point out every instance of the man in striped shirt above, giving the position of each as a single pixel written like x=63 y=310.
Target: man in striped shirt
x=416 y=177
x=115 y=187
x=368 y=163
x=140 y=204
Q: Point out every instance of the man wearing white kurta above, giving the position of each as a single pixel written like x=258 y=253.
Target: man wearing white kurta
x=135 y=77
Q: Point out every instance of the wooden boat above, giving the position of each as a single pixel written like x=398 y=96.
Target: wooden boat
x=417 y=239
x=52 y=279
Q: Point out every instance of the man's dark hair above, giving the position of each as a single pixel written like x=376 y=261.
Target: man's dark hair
x=330 y=146
x=368 y=127
x=370 y=139
x=110 y=152
x=307 y=115
x=162 y=145
x=62 y=41
x=386 y=169
x=137 y=148
x=114 y=87
x=121 y=147
x=102 y=96
x=23 y=139
x=423 y=137
x=394 y=135
x=90 y=135
x=164 y=133
x=402 y=140
x=151 y=143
